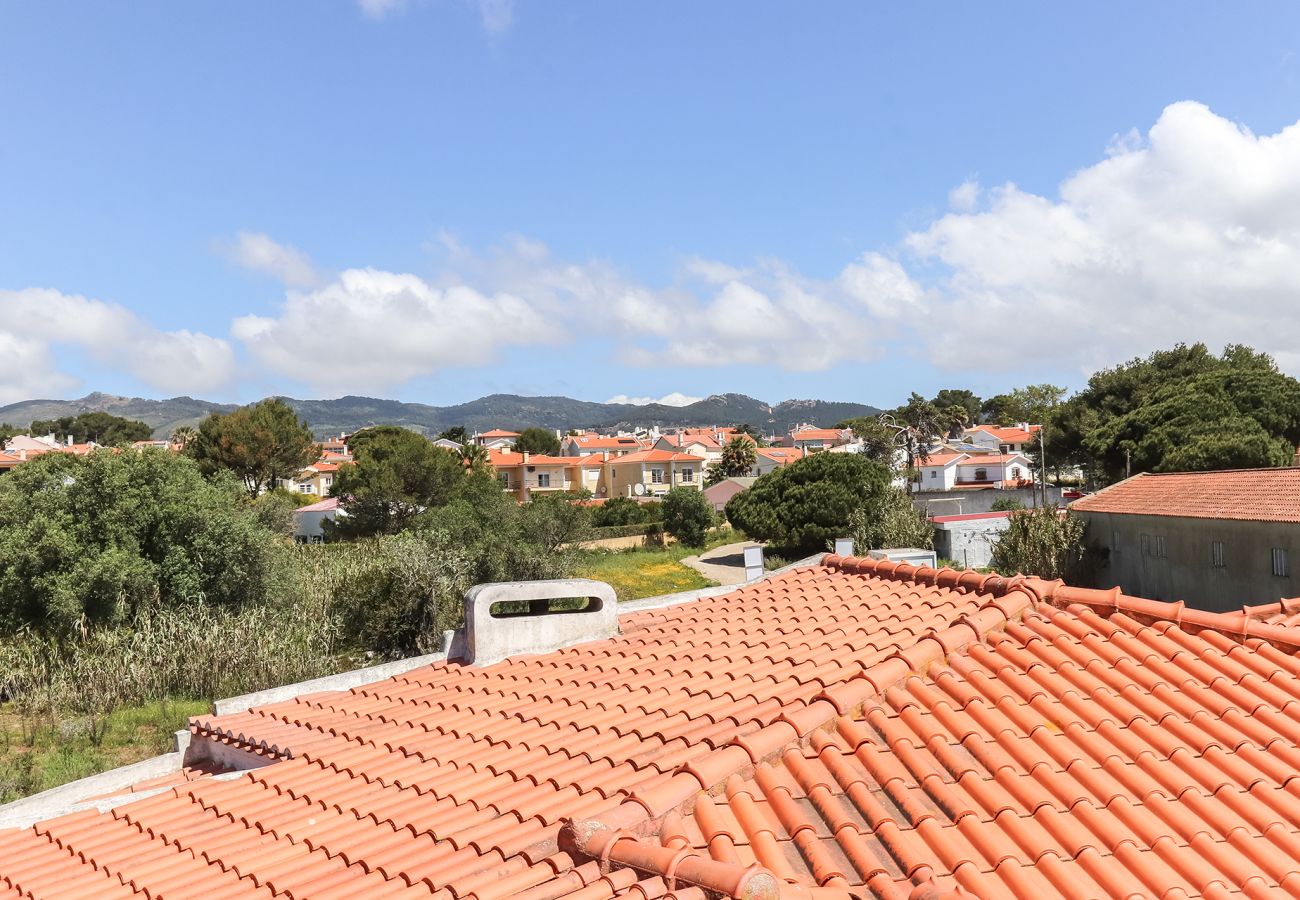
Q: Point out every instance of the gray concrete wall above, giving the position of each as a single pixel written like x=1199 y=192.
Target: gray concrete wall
x=1185 y=571
x=969 y=544
x=978 y=501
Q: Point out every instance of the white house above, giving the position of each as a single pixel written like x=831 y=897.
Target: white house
x=1015 y=439
x=945 y=471
x=309 y=521
x=497 y=439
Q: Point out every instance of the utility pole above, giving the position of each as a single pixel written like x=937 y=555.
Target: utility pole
x=1128 y=460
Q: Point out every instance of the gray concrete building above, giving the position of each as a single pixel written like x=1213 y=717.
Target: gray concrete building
x=968 y=540
x=1214 y=540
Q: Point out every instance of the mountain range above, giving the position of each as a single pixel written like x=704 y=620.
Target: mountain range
x=347 y=414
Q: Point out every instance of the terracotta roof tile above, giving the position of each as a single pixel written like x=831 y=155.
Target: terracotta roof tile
x=858 y=728
x=1256 y=495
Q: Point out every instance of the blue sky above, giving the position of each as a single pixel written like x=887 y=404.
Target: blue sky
x=438 y=199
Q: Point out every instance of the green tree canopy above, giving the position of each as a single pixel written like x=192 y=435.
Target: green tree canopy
x=538 y=440
x=802 y=506
x=261 y=444
x=395 y=475
x=455 y=433
x=879 y=441
x=949 y=397
x=746 y=428
x=95 y=538
x=100 y=428
x=687 y=516
x=626 y=511
x=1045 y=543
x=1183 y=409
x=1033 y=404
x=738 y=459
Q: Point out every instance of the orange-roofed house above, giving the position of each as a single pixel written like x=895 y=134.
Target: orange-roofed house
x=653 y=473
x=588 y=443
x=526 y=474
x=769 y=459
x=1208 y=538
x=700 y=444
x=497 y=439
x=846 y=728
x=946 y=471
x=1013 y=439
x=316 y=480
x=806 y=437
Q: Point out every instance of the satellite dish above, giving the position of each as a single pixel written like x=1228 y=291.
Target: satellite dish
x=638 y=489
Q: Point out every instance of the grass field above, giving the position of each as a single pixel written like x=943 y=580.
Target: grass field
x=37 y=758
x=647 y=573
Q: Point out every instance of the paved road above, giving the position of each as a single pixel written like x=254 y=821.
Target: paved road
x=725 y=564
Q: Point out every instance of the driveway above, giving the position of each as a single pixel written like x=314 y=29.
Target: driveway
x=725 y=564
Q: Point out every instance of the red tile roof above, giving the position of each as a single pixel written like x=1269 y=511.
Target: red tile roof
x=859 y=728
x=680 y=440
x=497 y=432
x=505 y=459
x=780 y=454
x=817 y=434
x=942 y=459
x=1254 y=495
x=641 y=456
x=603 y=442
x=1008 y=435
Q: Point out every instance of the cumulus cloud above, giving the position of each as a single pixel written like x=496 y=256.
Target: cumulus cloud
x=34 y=321
x=676 y=398
x=1189 y=233
x=380 y=9
x=496 y=16
x=370 y=329
x=260 y=253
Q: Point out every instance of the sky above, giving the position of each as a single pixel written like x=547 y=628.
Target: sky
x=434 y=200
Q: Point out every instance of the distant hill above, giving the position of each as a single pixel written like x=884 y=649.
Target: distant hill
x=347 y=414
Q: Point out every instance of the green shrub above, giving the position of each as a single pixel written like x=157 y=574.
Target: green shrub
x=688 y=516
x=801 y=507
x=626 y=511
x=889 y=519
x=1047 y=543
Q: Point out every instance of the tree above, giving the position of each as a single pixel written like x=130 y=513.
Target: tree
x=476 y=457
x=1046 y=543
x=880 y=443
x=687 y=516
x=395 y=475
x=1183 y=409
x=8 y=431
x=182 y=436
x=959 y=397
x=802 y=506
x=261 y=444
x=95 y=539
x=737 y=460
x=889 y=519
x=753 y=432
x=94 y=427
x=625 y=511
x=1032 y=404
x=539 y=441
x=455 y=433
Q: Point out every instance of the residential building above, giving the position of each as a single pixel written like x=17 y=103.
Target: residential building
x=996 y=439
x=653 y=473
x=851 y=728
x=696 y=444
x=317 y=479
x=587 y=443
x=718 y=494
x=1206 y=538
x=769 y=459
x=806 y=437
x=448 y=444
x=497 y=439
x=945 y=471
x=309 y=521
x=10 y=461
x=526 y=474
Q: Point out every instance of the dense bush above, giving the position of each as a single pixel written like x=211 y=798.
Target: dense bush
x=1047 y=543
x=626 y=511
x=801 y=507
x=617 y=531
x=97 y=539
x=889 y=519
x=688 y=516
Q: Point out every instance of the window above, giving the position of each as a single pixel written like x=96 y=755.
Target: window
x=1146 y=545
x=1216 y=554
x=504 y=478
x=304 y=487
x=688 y=474
x=934 y=474
x=544 y=480
x=1015 y=472
x=656 y=476
x=1159 y=550
x=981 y=474
x=1280 y=563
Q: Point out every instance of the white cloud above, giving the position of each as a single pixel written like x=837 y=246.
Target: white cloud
x=370 y=329
x=260 y=253
x=496 y=16
x=380 y=9
x=34 y=321
x=1192 y=233
x=676 y=398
